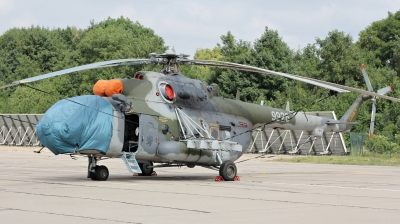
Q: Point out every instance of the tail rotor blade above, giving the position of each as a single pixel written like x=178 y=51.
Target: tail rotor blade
x=385 y=90
x=371 y=126
x=364 y=72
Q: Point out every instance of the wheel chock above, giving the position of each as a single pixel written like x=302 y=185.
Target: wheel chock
x=219 y=178
x=139 y=174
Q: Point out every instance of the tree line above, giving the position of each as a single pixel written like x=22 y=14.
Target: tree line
x=27 y=52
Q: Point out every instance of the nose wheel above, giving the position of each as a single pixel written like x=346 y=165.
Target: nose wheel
x=100 y=173
x=96 y=172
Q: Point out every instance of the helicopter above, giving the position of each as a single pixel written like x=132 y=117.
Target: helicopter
x=164 y=119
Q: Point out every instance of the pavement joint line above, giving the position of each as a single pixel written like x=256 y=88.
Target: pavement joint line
x=45 y=169
x=294 y=192
x=276 y=183
x=75 y=216
x=327 y=186
x=199 y=211
x=218 y=196
x=314 y=193
x=280 y=191
x=105 y=200
x=345 y=182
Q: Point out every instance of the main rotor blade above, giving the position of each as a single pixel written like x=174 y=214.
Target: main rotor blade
x=229 y=65
x=366 y=78
x=352 y=89
x=104 y=64
x=325 y=84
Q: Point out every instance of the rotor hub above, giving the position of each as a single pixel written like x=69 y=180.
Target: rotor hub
x=170 y=61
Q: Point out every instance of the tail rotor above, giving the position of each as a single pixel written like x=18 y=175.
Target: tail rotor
x=371 y=125
x=382 y=91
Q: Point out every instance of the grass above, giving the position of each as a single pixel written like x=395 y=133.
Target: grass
x=366 y=159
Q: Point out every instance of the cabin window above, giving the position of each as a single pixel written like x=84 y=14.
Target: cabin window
x=214 y=132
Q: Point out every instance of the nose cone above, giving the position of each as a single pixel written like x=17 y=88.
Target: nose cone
x=84 y=122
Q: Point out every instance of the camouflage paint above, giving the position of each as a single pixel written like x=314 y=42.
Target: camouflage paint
x=193 y=98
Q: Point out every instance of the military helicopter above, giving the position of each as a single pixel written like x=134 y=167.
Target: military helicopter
x=163 y=119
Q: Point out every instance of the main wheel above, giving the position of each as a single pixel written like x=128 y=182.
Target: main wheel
x=146 y=170
x=228 y=170
x=101 y=173
x=92 y=176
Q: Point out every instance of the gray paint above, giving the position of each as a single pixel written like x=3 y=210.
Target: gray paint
x=117 y=138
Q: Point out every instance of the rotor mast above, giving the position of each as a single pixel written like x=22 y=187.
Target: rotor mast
x=170 y=61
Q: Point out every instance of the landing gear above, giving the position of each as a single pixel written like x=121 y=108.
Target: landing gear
x=101 y=173
x=228 y=170
x=147 y=168
x=92 y=176
x=96 y=172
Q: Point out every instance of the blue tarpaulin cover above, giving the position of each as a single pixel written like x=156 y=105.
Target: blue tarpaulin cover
x=85 y=121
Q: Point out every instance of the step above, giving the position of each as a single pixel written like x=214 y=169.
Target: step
x=130 y=162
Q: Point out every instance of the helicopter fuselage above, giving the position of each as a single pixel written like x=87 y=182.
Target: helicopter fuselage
x=160 y=136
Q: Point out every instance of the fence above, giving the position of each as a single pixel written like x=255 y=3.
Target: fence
x=296 y=142
x=19 y=129
x=383 y=144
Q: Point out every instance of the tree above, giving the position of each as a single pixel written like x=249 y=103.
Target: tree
x=114 y=39
x=28 y=52
x=382 y=38
x=24 y=53
x=395 y=60
x=340 y=58
x=269 y=51
x=202 y=72
x=230 y=81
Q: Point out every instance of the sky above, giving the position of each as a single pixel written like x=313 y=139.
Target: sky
x=190 y=25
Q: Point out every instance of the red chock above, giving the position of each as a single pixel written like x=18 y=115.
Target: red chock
x=220 y=178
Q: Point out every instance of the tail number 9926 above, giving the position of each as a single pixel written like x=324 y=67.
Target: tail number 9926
x=280 y=116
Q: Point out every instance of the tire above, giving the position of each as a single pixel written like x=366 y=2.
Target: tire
x=228 y=170
x=146 y=171
x=101 y=173
x=92 y=176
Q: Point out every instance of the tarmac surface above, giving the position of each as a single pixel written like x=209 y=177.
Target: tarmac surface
x=44 y=188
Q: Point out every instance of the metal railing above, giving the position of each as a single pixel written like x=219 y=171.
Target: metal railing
x=17 y=136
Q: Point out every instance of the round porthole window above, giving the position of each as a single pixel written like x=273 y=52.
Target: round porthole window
x=165 y=129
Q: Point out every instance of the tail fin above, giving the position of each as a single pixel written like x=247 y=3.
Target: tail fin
x=352 y=113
